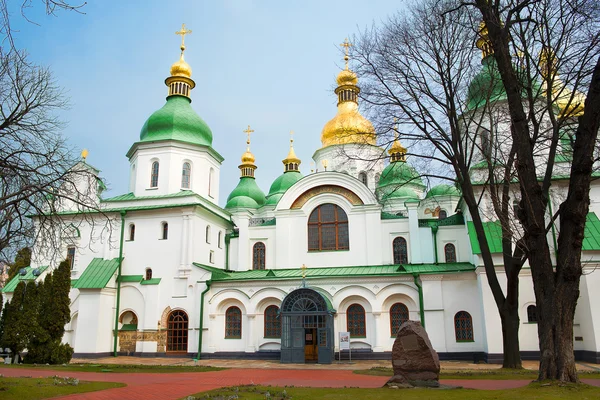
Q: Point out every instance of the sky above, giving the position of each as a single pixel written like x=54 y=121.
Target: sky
x=268 y=64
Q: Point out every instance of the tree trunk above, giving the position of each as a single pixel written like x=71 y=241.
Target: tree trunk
x=510 y=338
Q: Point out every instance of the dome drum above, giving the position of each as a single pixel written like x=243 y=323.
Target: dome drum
x=180 y=85
x=347 y=93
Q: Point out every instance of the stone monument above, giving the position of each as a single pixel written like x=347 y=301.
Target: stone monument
x=415 y=361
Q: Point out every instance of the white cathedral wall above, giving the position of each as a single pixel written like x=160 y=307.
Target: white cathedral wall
x=459 y=294
x=587 y=317
x=95 y=319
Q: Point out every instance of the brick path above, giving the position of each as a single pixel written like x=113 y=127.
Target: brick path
x=150 y=386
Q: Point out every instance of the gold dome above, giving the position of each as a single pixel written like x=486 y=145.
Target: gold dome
x=181 y=68
x=347 y=77
x=348 y=126
x=248 y=157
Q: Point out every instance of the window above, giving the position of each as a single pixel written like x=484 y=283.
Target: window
x=532 y=314
x=450 y=253
x=154 y=175
x=233 y=323
x=400 y=250
x=165 y=231
x=186 y=173
x=177 y=331
x=148 y=274
x=211 y=178
x=71 y=256
x=132 y=232
x=463 y=327
x=272 y=322
x=328 y=228
x=363 y=178
x=398 y=316
x=355 y=321
x=443 y=214
x=258 y=256
x=208 y=234
x=220 y=239
x=211 y=257
x=486 y=145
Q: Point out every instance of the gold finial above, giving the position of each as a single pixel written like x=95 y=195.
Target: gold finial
x=183 y=32
x=248 y=131
x=324 y=162
x=303 y=271
x=84 y=154
x=346 y=45
x=291 y=138
x=484 y=43
x=396 y=151
x=312 y=167
x=292 y=162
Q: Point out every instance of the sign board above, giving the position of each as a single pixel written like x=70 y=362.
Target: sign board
x=344 y=340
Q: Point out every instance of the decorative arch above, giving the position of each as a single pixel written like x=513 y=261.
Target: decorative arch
x=328 y=228
x=304 y=300
x=349 y=195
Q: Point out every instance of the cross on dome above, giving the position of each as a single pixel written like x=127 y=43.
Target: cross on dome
x=248 y=131
x=346 y=45
x=183 y=32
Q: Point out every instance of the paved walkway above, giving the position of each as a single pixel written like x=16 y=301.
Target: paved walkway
x=149 y=386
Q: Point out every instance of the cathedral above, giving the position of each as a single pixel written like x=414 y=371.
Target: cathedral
x=358 y=247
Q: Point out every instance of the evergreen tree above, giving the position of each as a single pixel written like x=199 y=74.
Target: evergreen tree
x=22 y=260
x=20 y=322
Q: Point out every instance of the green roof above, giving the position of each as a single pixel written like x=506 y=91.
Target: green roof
x=176 y=120
x=129 y=327
x=399 y=173
x=130 y=278
x=591 y=234
x=281 y=184
x=493 y=233
x=131 y=197
x=246 y=194
x=97 y=274
x=153 y=281
x=11 y=286
x=325 y=272
x=387 y=215
x=443 y=190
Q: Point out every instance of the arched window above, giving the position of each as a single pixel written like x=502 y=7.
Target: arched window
x=463 y=327
x=532 y=314
x=443 y=214
x=363 y=177
x=208 y=234
x=258 y=256
x=211 y=178
x=177 y=331
x=165 y=231
x=400 y=250
x=220 y=239
x=398 y=316
x=132 y=232
x=233 y=323
x=71 y=256
x=355 y=321
x=148 y=274
x=154 y=175
x=450 y=253
x=328 y=228
x=272 y=322
x=186 y=173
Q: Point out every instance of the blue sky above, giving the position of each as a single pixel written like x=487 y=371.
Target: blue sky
x=270 y=64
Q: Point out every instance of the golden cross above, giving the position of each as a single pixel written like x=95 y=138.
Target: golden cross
x=248 y=132
x=396 y=134
x=183 y=32
x=291 y=137
x=346 y=45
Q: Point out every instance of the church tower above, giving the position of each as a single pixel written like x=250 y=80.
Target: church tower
x=175 y=150
x=349 y=141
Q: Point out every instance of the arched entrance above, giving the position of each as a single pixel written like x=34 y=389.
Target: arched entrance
x=177 y=331
x=306 y=327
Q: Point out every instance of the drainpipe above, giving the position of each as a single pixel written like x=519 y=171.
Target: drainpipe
x=420 y=289
x=434 y=230
x=227 y=240
x=119 y=282
x=208 y=283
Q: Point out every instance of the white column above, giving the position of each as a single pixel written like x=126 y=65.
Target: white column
x=250 y=348
x=415 y=256
x=377 y=331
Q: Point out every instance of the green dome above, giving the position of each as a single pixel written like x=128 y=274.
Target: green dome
x=398 y=192
x=176 y=120
x=281 y=185
x=246 y=194
x=443 y=190
x=399 y=173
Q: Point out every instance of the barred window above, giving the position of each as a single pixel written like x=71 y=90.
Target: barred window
x=177 y=331
x=532 y=314
x=71 y=256
x=186 y=173
x=400 y=250
x=463 y=327
x=148 y=274
x=233 y=323
x=355 y=321
x=398 y=316
x=154 y=175
x=258 y=256
x=443 y=214
x=272 y=322
x=328 y=228
x=450 y=253
x=165 y=230
x=132 y=232
x=363 y=178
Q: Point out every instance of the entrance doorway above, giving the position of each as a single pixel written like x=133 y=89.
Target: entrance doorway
x=307 y=328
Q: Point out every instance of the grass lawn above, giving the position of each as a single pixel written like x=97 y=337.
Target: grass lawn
x=44 y=388
x=533 y=391
x=117 y=368
x=525 y=374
